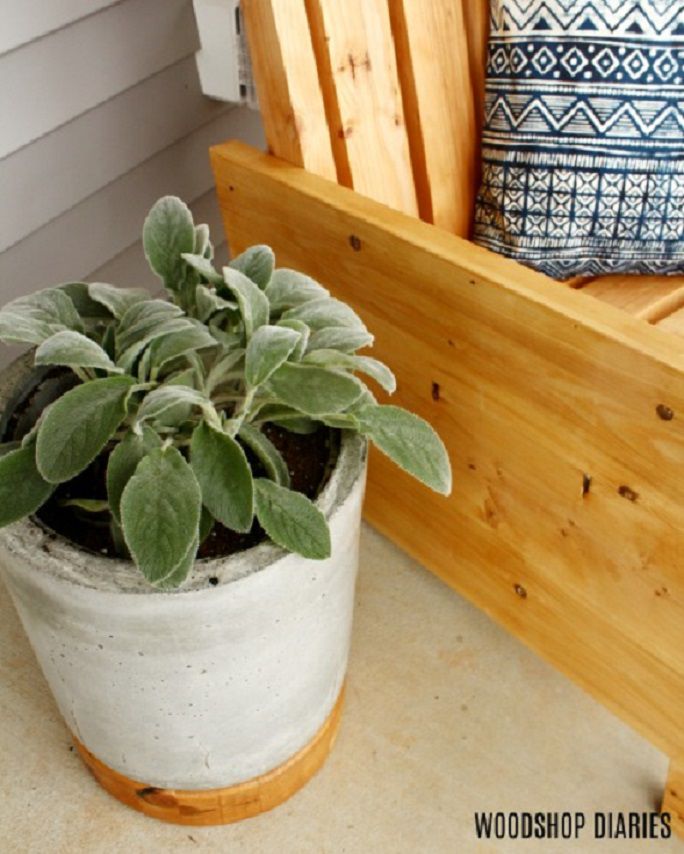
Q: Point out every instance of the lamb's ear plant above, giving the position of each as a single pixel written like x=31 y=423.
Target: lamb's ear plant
x=177 y=392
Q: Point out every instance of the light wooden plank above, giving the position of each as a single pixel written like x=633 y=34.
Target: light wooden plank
x=104 y=224
x=476 y=14
x=434 y=68
x=27 y=20
x=51 y=175
x=50 y=81
x=565 y=523
x=650 y=298
x=358 y=73
x=674 y=322
x=286 y=78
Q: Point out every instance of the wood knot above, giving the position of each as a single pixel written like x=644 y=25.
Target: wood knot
x=664 y=412
x=355 y=242
x=520 y=591
x=586 y=484
x=628 y=493
x=436 y=391
x=157 y=797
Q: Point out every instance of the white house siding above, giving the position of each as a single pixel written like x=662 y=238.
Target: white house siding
x=100 y=114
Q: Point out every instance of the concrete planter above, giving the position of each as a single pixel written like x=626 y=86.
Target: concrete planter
x=211 y=687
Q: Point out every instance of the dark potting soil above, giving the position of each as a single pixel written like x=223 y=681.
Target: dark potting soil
x=310 y=459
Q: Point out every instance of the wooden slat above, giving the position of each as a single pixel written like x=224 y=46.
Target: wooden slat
x=565 y=524
x=673 y=322
x=650 y=298
x=434 y=68
x=477 y=24
x=287 y=84
x=358 y=72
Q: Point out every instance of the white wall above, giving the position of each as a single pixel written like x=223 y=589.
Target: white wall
x=100 y=114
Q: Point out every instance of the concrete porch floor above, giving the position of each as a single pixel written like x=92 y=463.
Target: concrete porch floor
x=445 y=714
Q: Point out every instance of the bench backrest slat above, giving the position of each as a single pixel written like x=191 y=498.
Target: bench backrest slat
x=400 y=85
x=358 y=74
x=290 y=97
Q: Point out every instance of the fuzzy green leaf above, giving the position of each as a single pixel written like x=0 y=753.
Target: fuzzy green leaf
x=22 y=488
x=83 y=303
x=339 y=338
x=32 y=319
x=291 y=520
x=90 y=505
x=177 y=344
x=168 y=232
x=116 y=300
x=313 y=390
x=268 y=348
x=204 y=267
x=160 y=513
x=141 y=318
x=253 y=304
x=206 y=526
x=304 y=333
x=78 y=425
x=269 y=456
x=203 y=245
x=256 y=263
x=182 y=570
x=75 y=351
x=288 y=289
x=225 y=477
x=410 y=442
x=123 y=462
x=161 y=399
x=344 y=361
x=321 y=313
x=163 y=329
x=209 y=303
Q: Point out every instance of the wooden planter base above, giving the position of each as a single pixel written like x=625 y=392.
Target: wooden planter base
x=221 y=806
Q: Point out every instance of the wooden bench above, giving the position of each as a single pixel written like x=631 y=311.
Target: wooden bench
x=562 y=404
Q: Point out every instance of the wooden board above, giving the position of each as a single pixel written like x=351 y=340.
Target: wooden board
x=650 y=298
x=287 y=84
x=476 y=14
x=564 y=418
x=434 y=67
x=358 y=74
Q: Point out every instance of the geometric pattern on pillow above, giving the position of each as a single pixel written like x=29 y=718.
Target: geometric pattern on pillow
x=583 y=138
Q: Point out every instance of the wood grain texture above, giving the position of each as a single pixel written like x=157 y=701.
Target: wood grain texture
x=221 y=806
x=358 y=73
x=673 y=799
x=651 y=298
x=434 y=68
x=564 y=417
x=476 y=14
x=286 y=78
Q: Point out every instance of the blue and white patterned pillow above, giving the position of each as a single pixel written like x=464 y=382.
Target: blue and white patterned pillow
x=583 y=142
